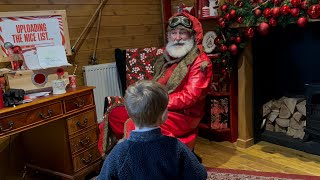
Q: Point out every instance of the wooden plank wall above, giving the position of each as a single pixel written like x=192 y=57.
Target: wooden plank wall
x=207 y=25
x=124 y=24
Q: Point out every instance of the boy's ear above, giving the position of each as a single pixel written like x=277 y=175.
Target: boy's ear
x=164 y=116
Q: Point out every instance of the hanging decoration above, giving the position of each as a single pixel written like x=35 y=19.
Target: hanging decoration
x=257 y=17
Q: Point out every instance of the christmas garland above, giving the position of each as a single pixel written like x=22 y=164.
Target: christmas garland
x=256 y=16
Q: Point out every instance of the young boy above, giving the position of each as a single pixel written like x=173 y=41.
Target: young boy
x=147 y=154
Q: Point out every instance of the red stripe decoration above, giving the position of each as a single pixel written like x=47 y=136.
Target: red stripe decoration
x=4 y=50
x=13 y=19
x=1 y=19
x=61 y=28
x=62 y=37
x=1 y=39
x=0 y=29
x=27 y=18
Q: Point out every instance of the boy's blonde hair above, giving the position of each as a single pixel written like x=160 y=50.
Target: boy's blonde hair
x=145 y=102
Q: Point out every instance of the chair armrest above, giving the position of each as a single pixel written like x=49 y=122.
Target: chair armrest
x=111 y=101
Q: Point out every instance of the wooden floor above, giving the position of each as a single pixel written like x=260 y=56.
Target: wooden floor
x=263 y=156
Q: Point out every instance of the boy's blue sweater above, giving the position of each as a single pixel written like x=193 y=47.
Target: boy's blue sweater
x=150 y=155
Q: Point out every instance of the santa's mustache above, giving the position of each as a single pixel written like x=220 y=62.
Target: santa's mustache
x=178 y=43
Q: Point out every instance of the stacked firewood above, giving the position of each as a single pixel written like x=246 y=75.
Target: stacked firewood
x=286 y=115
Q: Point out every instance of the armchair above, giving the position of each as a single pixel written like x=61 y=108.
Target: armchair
x=133 y=65
x=181 y=123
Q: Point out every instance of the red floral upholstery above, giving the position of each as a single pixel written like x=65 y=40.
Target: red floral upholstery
x=140 y=63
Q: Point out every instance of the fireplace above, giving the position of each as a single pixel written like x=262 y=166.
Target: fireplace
x=285 y=65
x=312 y=129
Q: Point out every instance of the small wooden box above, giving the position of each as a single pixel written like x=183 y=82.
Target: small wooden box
x=24 y=80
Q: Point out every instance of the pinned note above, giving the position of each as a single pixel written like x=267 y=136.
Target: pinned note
x=52 y=56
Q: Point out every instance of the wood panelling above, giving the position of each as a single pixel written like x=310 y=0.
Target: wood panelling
x=131 y=41
x=88 y=10
x=118 y=31
x=120 y=2
x=124 y=24
x=81 y=21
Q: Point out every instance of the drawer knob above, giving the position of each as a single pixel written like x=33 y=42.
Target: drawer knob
x=77 y=104
x=49 y=114
x=87 y=161
x=85 y=142
x=10 y=124
x=83 y=125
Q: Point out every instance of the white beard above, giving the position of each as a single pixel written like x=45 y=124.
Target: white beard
x=178 y=49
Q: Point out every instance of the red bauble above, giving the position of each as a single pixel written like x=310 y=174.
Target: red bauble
x=239 y=20
x=267 y=12
x=222 y=24
x=227 y=17
x=257 y=12
x=302 y=21
x=60 y=72
x=285 y=9
x=233 y=13
x=233 y=49
x=295 y=12
x=277 y=2
x=220 y=19
x=223 y=48
x=295 y=3
x=275 y=12
x=273 y=22
x=314 y=11
x=249 y=32
x=224 y=7
x=263 y=28
x=237 y=40
x=305 y=5
x=216 y=41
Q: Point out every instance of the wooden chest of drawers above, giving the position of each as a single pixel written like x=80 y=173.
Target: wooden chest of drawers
x=59 y=132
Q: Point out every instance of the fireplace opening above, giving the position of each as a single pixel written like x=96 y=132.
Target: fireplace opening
x=286 y=87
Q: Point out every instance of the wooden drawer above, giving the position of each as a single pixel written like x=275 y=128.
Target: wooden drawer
x=86 y=158
x=84 y=140
x=81 y=122
x=79 y=102
x=31 y=117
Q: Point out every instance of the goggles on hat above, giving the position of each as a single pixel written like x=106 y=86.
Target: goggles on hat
x=180 y=20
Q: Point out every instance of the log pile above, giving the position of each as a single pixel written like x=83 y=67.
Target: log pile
x=286 y=115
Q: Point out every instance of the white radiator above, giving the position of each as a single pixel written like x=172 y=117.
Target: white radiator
x=106 y=80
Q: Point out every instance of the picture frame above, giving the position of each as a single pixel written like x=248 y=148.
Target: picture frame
x=31 y=28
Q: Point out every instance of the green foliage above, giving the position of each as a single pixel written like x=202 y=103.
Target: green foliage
x=247 y=12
